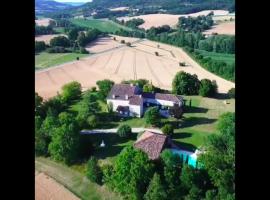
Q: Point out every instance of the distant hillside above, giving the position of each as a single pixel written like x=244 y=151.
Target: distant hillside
x=42 y=6
x=167 y=6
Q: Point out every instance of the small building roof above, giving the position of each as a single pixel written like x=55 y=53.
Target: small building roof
x=136 y=100
x=119 y=91
x=151 y=143
x=165 y=97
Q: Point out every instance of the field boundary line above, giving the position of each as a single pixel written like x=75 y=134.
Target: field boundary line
x=50 y=77
x=152 y=72
x=71 y=77
x=120 y=61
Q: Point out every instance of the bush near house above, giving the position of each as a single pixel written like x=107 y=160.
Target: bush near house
x=152 y=116
x=94 y=172
x=167 y=129
x=124 y=131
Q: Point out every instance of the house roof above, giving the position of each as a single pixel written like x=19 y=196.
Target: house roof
x=121 y=90
x=135 y=100
x=151 y=143
x=160 y=96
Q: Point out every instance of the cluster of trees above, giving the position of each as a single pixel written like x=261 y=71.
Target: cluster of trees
x=43 y=30
x=219 y=44
x=134 y=23
x=57 y=127
x=153 y=32
x=187 y=84
x=40 y=46
x=195 y=24
x=134 y=33
x=218 y=67
x=85 y=38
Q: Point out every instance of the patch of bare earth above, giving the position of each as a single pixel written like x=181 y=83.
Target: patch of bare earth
x=124 y=63
x=227 y=28
x=47 y=188
x=43 y=22
x=47 y=38
x=155 y=20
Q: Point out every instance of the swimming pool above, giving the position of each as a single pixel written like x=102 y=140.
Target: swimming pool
x=192 y=157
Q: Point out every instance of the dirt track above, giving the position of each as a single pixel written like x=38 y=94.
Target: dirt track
x=124 y=63
x=47 y=188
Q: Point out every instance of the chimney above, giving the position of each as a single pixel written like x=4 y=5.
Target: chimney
x=113 y=96
x=126 y=96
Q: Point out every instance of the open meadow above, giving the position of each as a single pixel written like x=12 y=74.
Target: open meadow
x=43 y=21
x=124 y=63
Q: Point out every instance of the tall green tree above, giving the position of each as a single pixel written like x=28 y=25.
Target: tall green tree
x=65 y=143
x=71 y=91
x=94 y=172
x=104 y=87
x=208 y=88
x=152 y=116
x=156 y=190
x=132 y=173
x=185 y=84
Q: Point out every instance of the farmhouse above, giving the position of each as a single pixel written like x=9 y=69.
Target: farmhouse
x=129 y=100
x=153 y=144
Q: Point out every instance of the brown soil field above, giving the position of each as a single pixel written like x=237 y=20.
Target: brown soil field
x=43 y=22
x=227 y=28
x=168 y=19
x=47 y=38
x=47 y=188
x=124 y=63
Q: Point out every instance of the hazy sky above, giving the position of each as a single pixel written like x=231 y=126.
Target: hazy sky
x=73 y=0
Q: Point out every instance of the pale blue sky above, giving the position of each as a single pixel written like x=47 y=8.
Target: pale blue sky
x=84 y=1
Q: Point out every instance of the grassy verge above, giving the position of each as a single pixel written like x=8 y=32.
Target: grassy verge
x=44 y=60
x=74 y=181
x=60 y=30
x=102 y=25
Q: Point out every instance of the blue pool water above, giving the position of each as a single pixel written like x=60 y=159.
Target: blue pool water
x=192 y=158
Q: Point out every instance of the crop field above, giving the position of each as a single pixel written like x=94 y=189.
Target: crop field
x=168 y=19
x=44 y=60
x=47 y=38
x=47 y=188
x=226 y=28
x=102 y=25
x=43 y=21
x=227 y=58
x=124 y=63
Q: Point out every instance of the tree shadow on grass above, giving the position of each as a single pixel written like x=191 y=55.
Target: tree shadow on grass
x=181 y=135
x=222 y=96
x=113 y=144
x=192 y=121
x=195 y=109
x=185 y=146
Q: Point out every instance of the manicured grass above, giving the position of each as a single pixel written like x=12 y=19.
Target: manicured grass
x=102 y=25
x=200 y=120
x=227 y=58
x=75 y=181
x=59 y=30
x=44 y=60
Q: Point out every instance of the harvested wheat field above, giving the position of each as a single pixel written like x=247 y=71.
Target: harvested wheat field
x=155 y=20
x=47 y=188
x=43 y=22
x=124 y=63
x=47 y=38
x=227 y=28
x=106 y=43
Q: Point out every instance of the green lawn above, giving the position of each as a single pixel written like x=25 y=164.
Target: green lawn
x=228 y=58
x=59 y=30
x=75 y=181
x=102 y=25
x=44 y=60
